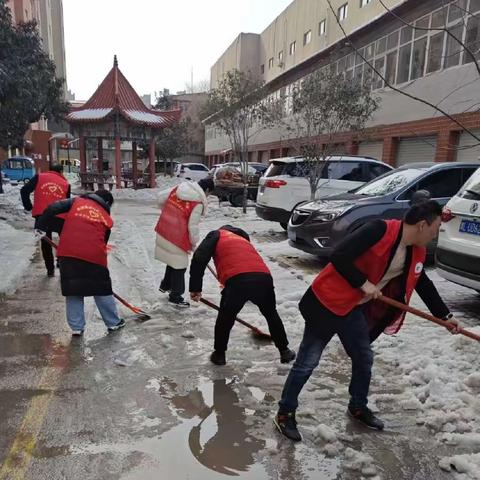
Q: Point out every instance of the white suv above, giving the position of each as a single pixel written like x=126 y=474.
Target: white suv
x=191 y=171
x=285 y=183
x=458 y=249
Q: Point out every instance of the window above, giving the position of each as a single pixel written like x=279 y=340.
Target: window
x=343 y=12
x=453 y=50
x=270 y=62
x=474 y=6
x=280 y=56
x=374 y=170
x=391 y=67
x=307 y=37
x=351 y=171
x=418 y=58
x=456 y=10
x=322 y=27
x=293 y=47
x=262 y=69
x=404 y=64
x=472 y=40
x=435 y=51
x=379 y=67
x=443 y=184
x=363 y=3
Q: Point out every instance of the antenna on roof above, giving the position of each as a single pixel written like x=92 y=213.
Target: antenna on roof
x=115 y=61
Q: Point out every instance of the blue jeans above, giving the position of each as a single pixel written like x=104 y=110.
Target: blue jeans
x=76 y=315
x=354 y=335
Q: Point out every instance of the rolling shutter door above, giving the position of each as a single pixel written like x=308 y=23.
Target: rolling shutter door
x=416 y=149
x=371 y=149
x=471 y=154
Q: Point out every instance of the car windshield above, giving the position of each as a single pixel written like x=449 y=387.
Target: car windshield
x=473 y=184
x=390 y=182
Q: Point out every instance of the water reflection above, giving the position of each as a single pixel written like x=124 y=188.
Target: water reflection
x=220 y=440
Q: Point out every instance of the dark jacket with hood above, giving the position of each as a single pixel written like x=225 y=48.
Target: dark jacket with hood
x=78 y=277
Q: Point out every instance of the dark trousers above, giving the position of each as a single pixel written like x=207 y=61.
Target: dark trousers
x=47 y=252
x=174 y=280
x=254 y=287
x=354 y=335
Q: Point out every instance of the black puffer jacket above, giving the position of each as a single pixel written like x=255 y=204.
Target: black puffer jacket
x=78 y=277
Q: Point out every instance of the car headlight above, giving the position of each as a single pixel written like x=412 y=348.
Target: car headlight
x=329 y=215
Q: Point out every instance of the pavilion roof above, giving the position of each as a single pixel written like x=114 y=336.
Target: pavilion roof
x=115 y=94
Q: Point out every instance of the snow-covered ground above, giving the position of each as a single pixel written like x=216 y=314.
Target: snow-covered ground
x=423 y=374
x=17 y=242
x=426 y=382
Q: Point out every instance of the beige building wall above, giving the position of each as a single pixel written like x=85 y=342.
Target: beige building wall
x=300 y=17
x=243 y=54
x=58 y=40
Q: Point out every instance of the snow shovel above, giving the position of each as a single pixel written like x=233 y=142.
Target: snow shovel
x=256 y=331
x=427 y=316
x=142 y=315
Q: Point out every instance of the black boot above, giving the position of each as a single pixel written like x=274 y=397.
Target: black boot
x=287 y=355
x=218 y=358
x=287 y=425
x=365 y=415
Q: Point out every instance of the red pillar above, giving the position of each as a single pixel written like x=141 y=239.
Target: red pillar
x=83 y=154
x=100 y=155
x=134 y=164
x=390 y=145
x=352 y=147
x=447 y=144
x=151 y=166
x=118 y=163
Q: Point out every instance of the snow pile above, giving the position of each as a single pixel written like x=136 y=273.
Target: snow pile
x=17 y=243
x=146 y=194
x=468 y=464
x=359 y=462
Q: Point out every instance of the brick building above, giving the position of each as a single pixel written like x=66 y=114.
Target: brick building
x=420 y=61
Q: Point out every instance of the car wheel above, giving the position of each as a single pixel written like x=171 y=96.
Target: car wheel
x=284 y=225
x=236 y=199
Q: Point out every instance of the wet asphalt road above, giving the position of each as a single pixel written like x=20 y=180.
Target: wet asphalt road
x=145 y=403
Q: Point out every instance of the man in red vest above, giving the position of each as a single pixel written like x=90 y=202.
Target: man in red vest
x=382 y=257
x=47 y=188
x=245 y=277
x=82 y=252
x=182 y=206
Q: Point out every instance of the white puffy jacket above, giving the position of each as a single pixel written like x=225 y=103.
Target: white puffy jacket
x=166 y=251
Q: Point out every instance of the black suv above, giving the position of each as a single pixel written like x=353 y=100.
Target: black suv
x=316 y=227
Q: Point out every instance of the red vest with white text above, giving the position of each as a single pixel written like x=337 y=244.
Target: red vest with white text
x=84 y=231
x=235 y=255
x=335 y=293
x=51 y=187
x=173 y=222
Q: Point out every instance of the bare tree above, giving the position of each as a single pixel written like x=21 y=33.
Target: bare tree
x=202 y=86
x=323 y=106
x=240 y=108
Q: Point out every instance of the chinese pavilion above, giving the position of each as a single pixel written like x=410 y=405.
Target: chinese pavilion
x=116 y=112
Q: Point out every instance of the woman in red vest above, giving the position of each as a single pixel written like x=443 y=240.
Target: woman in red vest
x=82 y=253
x=380 y=257
x=177 y=233
x=47 y=188
x=245 y=278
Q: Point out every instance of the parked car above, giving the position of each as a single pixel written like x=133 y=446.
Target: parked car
x=458 y=250
x=19 y=168
x=232 y=189
x=285 y=183
x=191 y=171
x=316 y=227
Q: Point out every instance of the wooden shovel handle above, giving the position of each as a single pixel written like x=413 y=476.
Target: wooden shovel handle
x=427 y=316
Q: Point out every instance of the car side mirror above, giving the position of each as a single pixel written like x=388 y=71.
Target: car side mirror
x=420 y=196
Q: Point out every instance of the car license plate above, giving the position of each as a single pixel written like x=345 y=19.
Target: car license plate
x=292 y=236
x=470 y=226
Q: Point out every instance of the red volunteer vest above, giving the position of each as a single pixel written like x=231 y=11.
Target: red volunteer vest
x=336 y=294
x=83 y=234
x=173 y=222
x=234 y=255
x=51 y=187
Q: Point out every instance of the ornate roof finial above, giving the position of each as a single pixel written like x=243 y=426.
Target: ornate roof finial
x=115 y=61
